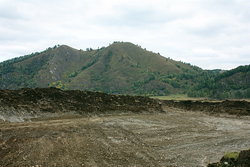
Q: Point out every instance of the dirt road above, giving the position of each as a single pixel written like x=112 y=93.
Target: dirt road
x=174 y=138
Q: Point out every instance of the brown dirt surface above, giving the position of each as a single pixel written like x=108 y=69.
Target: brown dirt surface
x=50 y=127
x=174 y=138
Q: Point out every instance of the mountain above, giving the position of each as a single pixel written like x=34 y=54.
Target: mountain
x=122 y=68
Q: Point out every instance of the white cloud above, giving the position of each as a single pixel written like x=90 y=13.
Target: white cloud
x=205 y=33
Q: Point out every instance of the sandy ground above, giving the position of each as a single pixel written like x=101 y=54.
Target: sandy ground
x=174 y=138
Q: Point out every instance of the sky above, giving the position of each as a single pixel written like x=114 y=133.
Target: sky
x=211 y=34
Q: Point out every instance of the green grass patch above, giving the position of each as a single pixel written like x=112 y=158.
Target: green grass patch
x=233 y=155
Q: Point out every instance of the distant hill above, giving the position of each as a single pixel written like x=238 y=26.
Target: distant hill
x=234 y=83
x=120 y=68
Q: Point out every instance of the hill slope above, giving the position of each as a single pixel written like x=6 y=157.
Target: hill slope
x=122 y=68
x=234 y=83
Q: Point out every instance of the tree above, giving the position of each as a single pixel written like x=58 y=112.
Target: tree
x=238 y=95
x=73 y=74
x=89 y=49
x=247 y=93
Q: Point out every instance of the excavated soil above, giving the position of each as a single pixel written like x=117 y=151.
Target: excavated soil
x=214 y=108
x=24 y=104
x=50 y=127
x=174 y=138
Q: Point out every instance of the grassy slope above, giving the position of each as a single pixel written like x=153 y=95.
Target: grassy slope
x=121 y=65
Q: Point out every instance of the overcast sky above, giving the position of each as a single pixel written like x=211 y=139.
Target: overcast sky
x=211 y=34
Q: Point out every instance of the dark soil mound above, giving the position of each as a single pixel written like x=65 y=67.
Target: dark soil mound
x=52 y=100
x=244 y=158
x=23 y=104
x=229 y=107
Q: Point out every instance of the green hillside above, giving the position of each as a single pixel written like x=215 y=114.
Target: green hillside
x=232 y=84
x=120 y=68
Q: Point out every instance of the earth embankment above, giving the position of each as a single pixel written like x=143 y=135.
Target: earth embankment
x=231 y=107
x=26 y=103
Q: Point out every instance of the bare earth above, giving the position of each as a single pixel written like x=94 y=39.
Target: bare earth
x=174 y=138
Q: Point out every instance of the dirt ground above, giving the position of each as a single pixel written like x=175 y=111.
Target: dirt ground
x=173 y=138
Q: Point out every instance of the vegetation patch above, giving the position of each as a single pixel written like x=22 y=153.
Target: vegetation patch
x=233 y=159
x=232 y=155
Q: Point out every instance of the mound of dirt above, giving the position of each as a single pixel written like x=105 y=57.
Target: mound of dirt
x=227 y=106
x=26 y=103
